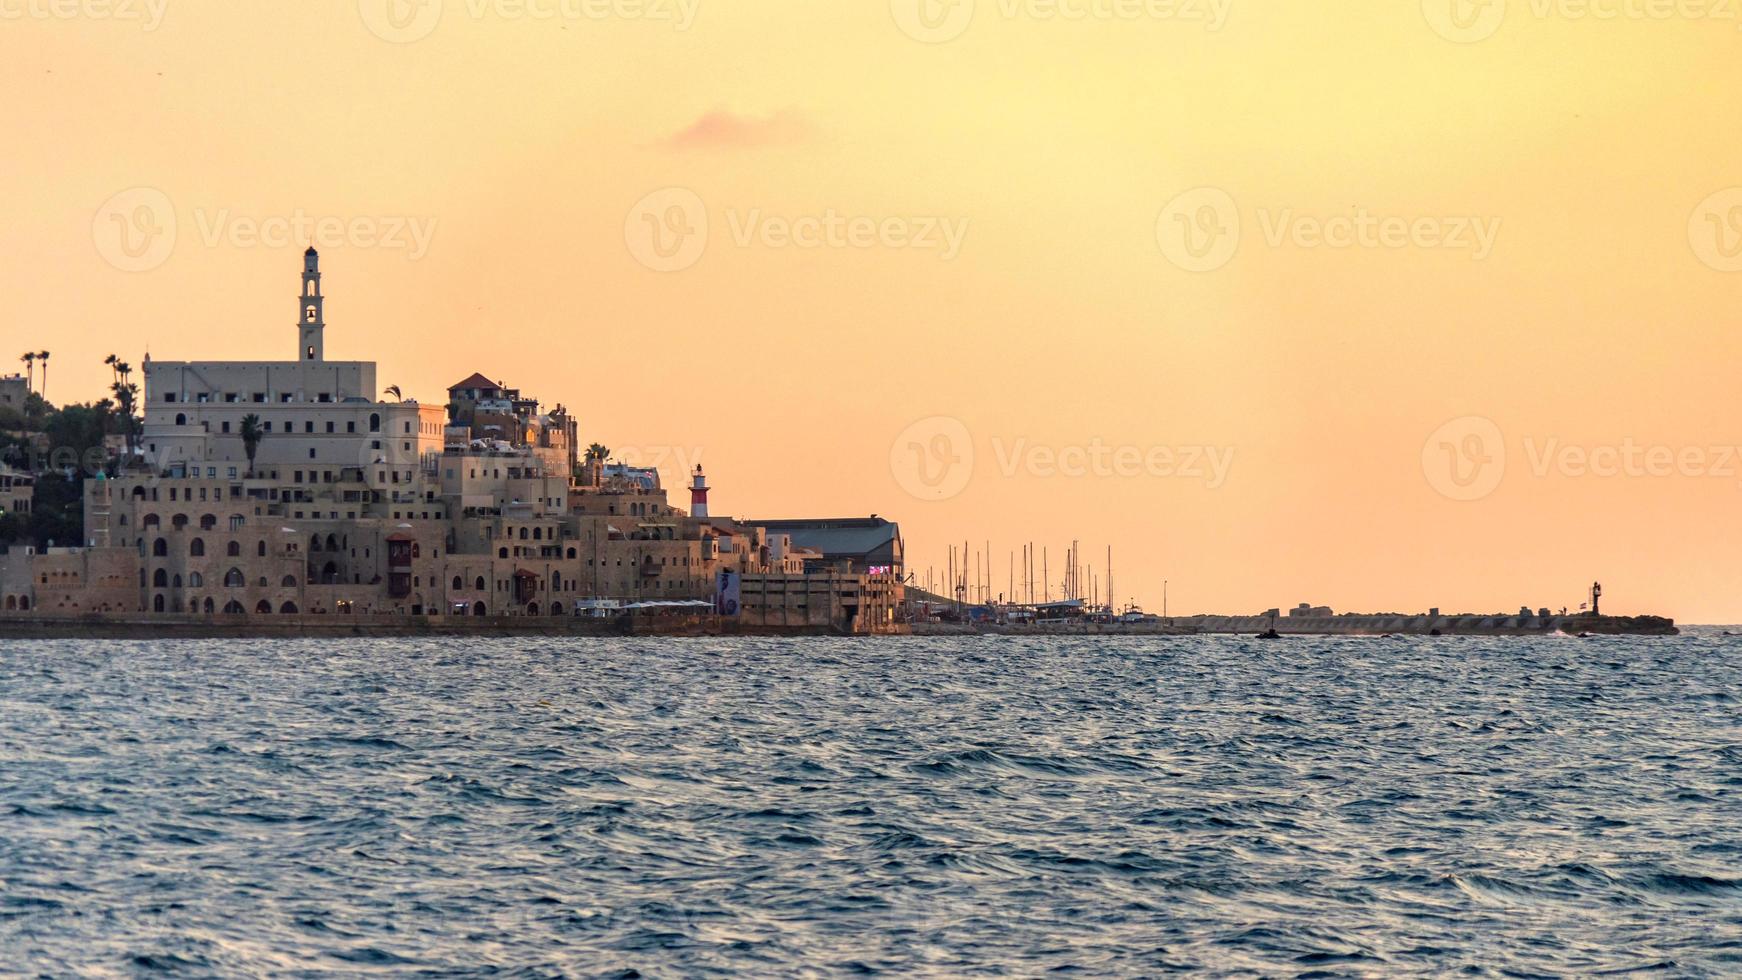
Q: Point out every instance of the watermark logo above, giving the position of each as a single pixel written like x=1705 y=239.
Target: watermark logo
x=135 y=231
x=1715 y=230
x=1464 y=21
x=933 y=459
x=1199 y=230
x=393 y=233
x=147 y=13
x=932 y=21
x=938 y=21
x=1202 y=229
x=407 y=21
x=400 y=21
x=1465 y=459
x=667 y=230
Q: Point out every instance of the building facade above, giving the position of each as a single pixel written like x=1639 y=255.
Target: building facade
x=291 y=488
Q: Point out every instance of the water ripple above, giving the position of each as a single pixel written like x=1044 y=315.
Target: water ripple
x=973 y=806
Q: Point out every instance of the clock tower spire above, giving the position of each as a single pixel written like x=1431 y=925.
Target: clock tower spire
x=311 y=321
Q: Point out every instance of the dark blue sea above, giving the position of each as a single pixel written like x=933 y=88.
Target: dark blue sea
x=940 y=807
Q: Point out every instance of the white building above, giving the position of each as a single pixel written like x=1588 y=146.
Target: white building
x=317 y=417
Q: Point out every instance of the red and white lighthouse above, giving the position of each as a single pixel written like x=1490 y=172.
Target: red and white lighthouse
x=699 y=494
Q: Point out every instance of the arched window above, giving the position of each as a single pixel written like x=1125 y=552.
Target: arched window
x=332 y=542
x=233 y=579
x=260 y=549
x=175 y=583
x=314 y=543
x=459 y=583
x=157 y=604
x=180 y=419
x=234 y=550
x=233 y=608
x=151 y=520
x=206 y=606
x=288 y=609
x=197 y=548
x=571 y=552
x=196 y=581
x=330 y=574
x=179 y=521
x=502 y=552
x=160 y=580
x=160 y=548
x=289 y=582
x=479 y=587
x=478 y=609
x=208 y=522
x=538 y=534
x=264 y=608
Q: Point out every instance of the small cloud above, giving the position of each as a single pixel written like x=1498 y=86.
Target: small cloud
x=728 y=130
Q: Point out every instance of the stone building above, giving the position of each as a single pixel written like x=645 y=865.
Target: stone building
x=354 y=505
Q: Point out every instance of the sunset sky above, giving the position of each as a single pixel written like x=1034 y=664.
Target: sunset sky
x=1349 y=250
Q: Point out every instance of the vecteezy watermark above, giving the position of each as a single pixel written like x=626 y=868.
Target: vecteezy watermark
x=933 y=459
x=1465 y=459
x=938 y=21
x=137 y=230
x=668 y=230
x=1469 y=21
x=1715 y=230
x=401 y=233
x=147 y=13
x=406 y=21
x=1201 y=229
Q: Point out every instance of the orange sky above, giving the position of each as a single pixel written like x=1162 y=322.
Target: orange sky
x=834 y=148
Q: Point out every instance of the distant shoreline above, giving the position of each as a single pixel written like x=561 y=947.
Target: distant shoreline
x=142 y=626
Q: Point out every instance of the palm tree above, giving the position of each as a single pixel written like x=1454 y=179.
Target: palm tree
x=126 y=395
x=42 y=356
x=251 y=434
x=394 y=391
x=598 y=452
x=29 y=359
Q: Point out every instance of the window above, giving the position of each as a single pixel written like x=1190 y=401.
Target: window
x=197 y=548
x=233 y=579
x=375 y=426
x=234 y=549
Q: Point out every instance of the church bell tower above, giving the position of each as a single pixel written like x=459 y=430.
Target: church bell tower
x=311 y=322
